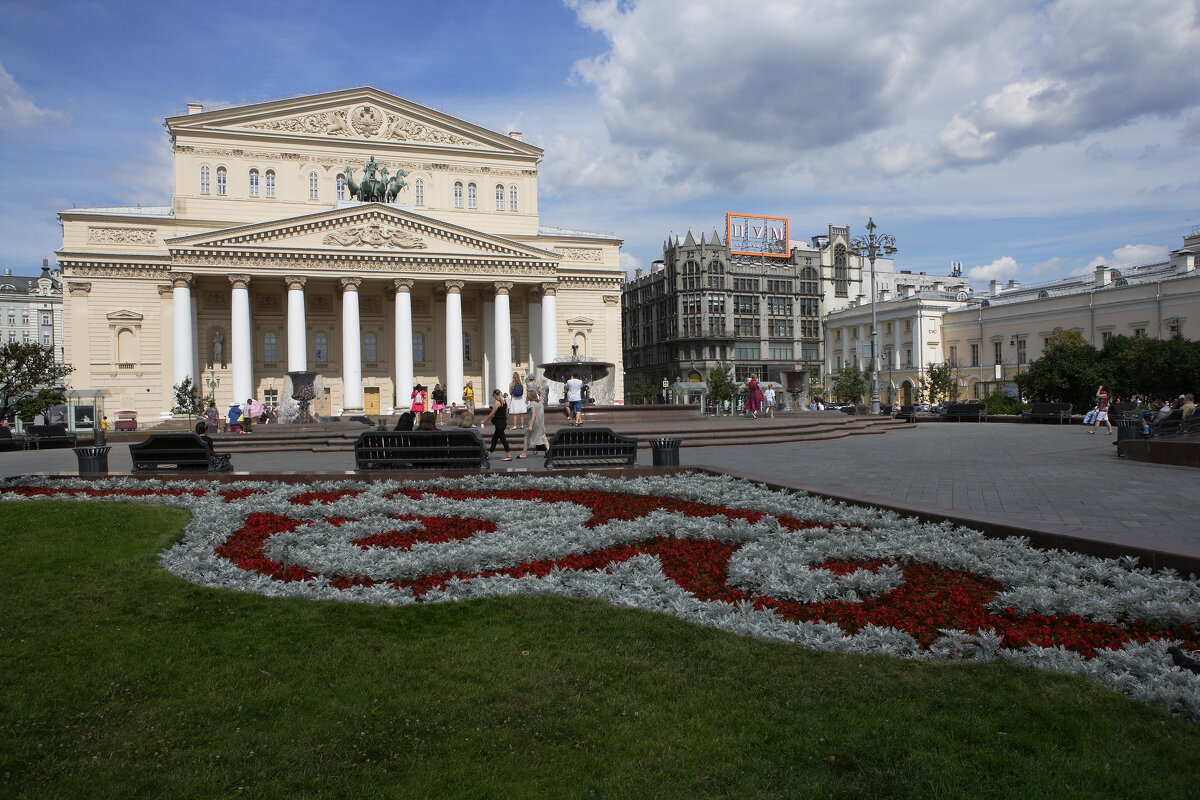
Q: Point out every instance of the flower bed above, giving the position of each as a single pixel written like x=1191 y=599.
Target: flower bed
x=715 y=551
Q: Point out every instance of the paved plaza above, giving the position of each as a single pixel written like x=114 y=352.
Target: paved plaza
x=1046 y=477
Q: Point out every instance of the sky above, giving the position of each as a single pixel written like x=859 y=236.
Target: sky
x=1025 y=139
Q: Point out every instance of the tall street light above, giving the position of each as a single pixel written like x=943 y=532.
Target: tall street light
x=871 y=247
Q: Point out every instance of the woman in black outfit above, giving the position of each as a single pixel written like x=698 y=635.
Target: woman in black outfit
x=499 y=418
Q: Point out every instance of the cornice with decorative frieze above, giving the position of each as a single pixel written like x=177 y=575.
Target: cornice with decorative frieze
x=331 y=162
x=92 y=270
x=588 y=282
x=369 y=262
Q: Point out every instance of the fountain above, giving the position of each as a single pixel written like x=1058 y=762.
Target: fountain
x=595 y=375
x=304 y=387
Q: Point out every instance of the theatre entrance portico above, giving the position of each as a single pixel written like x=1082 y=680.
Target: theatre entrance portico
x=373 y=297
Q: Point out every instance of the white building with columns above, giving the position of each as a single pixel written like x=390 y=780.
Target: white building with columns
x=265 y=263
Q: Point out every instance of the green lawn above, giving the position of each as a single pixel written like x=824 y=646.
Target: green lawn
x=120 y=680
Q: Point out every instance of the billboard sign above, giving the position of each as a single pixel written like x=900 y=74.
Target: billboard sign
x=751 y=235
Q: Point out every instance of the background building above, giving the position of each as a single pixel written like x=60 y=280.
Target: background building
x=988 y=338
x=268 y=261
x=31 y=309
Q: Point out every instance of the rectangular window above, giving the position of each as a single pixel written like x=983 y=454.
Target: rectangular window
x=716 y=304
x=779 y=306
x=746 y=351
x=974 y=355
x=810 y=351
x=271 y=399
x=744 y=326
x=810 y=307
x=810 y=328
x=1105 y=335
x=1021 y=353
x=887 y=328
x=779 y=287
x=1139 y=331
x=745 y=304
x=841 y=288
x=781 y=351
x=998 y=352
x=745 y=284
x=780 y=328
x=46 y=339
x=45 y=319
x=716 y=281
x=954 y=355
x=908 y=326
x=908 y=357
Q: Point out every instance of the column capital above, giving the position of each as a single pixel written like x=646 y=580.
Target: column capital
x=180 y=280
x=402 y=285
x=78 y=288
x=349 y=284
x=550 y=289
x=240 y=281
x=503 y=287
x=164 y=289
x=295 y=281
x=455 y=287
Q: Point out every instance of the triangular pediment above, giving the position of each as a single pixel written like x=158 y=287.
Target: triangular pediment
x=124 y=315
x=368 y=228
x=364 y=115
x=581 y=322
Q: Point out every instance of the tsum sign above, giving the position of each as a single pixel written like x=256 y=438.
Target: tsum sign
x=751 y=235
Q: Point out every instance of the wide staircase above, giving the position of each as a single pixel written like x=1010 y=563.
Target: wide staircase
x=642 y=422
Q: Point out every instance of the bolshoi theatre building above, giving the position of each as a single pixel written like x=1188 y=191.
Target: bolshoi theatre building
x=356 y=234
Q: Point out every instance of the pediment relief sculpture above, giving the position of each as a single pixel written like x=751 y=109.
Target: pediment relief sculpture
x=363 y=121
x=375 y=236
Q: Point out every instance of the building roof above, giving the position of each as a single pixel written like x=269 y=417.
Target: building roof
x=1079 y=284
x=126 y=211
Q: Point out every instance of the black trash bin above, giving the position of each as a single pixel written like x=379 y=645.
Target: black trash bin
x=665 y=452
x=92 y=460
x=98 y=437
x=1128 y=425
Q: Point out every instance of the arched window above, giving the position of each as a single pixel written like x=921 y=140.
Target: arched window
x=499 y=197
x=516 y=346
x=313 y=187
x=419 y=191
x=270 y=178
x=222 y=181
x=458 y=194
x=418 y=346
x=321 y=347
x=370 y=352
x=512 y=197
x=466 y=347
x=254 y=183
x=472 y=196
x=204 y=185
x=341 y=186
x=125 y=346
x=269 y=351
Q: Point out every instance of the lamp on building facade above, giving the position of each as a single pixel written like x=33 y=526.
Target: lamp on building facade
x=871 y=247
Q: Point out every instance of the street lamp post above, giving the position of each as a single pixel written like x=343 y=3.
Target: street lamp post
x=871 y=247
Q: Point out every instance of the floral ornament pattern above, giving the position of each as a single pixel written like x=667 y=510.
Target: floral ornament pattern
x=713 y=550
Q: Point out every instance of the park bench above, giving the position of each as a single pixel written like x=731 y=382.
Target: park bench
x=53 y=435
x=590 y=447
x=1170 y=425
x=961 y=411
x=1048 y=412
x=179 y=451
x=10 y=442
x=456 y=448
x=908 y=413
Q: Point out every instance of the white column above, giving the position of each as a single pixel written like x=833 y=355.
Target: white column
x=484 y=394
x=240 y=347
x=502 y=341
x=550 y=332
x=183 y=344
x=297 y=328
x=454 y=342
x=403 y=342
x=352 y=393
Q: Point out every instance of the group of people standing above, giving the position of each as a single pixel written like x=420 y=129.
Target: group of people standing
x=523 y=404
x=759 y=398
x=238 y=419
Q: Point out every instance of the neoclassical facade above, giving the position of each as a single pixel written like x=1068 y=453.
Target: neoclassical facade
x=279 y=254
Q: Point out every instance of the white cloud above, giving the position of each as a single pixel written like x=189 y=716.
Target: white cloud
x=1131 y=255
x=1050 y=266
x=629 y=262
x=17 y=110
x=999 y=269
x=731 y=95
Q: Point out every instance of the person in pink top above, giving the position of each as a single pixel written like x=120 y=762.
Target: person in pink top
x=1101 y=411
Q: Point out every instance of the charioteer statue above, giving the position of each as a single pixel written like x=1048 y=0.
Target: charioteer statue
x=373 y=189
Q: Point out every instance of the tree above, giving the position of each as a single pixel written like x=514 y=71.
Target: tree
x=721 y=388
x=1069 y=371
x=187 y=399
x=1151 y=367
x=940 y=380
x=26 y=368
x=642 y=392
x=851 y=384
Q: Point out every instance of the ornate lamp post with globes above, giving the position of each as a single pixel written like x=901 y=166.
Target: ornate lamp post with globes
x=871 y=247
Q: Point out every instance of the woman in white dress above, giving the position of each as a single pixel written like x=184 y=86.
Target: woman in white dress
x=535 y=437
x=516 y=391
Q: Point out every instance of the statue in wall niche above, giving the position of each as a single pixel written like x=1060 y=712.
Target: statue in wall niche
x=217 y=347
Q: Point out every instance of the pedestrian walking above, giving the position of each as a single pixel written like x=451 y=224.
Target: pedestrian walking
x=516 y=390
x=234 y=416
x=498 y=416
x=769 y=401
x=753 y=397
x=469 y=396
x=1101 y=411
x=575 y=399
x=536 y=436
